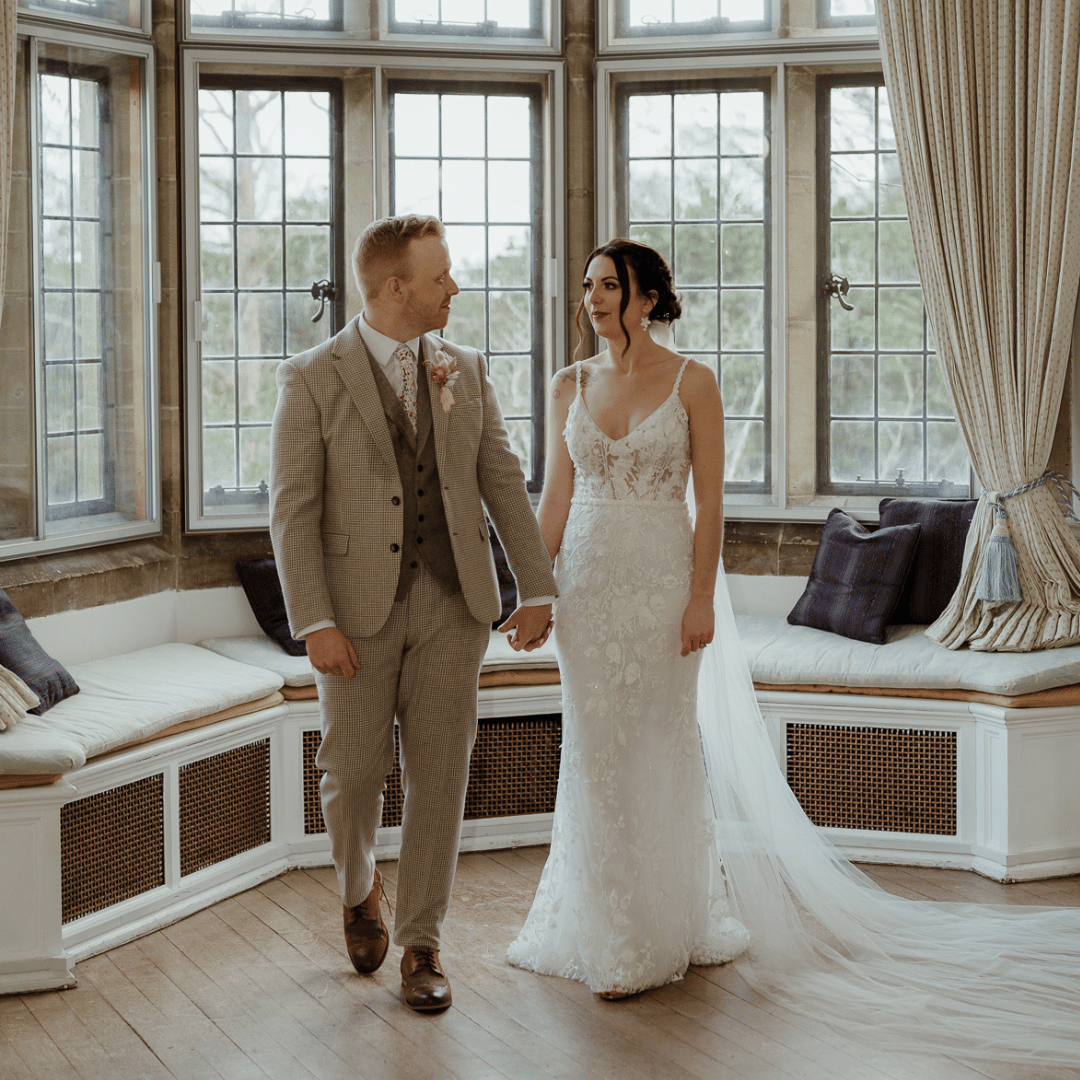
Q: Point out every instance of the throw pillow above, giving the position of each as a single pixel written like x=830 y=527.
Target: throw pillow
x=507 y=584
x=262 y=586
x=939 y=554
x=20 y=653
x=856 y=579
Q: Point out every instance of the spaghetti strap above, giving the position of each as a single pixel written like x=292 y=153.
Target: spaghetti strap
x=577 y=375
x=678 y=378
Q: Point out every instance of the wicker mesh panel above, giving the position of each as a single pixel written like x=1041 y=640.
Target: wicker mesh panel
x=313 y=819
x=874 y=778
x=224 y=805
x=514 y=770
x=112 y=846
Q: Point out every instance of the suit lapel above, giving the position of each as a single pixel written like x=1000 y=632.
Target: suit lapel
x=354 y=367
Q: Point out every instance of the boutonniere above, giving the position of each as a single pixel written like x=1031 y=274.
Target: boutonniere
x=444 y=373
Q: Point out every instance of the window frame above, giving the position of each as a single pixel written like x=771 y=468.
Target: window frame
x=826 y=309
x=548 y=75
x=827 y=21
x=376 y=30
x=538 y=380
x=30 y=31
x=335 y=307
x=719 y=84
x=47 y=19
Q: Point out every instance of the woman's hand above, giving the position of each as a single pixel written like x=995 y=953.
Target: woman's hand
x=697 y=624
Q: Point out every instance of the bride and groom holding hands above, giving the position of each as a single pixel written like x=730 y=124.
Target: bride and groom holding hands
x=675 y=839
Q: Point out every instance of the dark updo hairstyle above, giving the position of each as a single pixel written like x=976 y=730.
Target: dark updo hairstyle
x=651 y=274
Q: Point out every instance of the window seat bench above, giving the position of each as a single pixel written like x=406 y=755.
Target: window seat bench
x=193 y=776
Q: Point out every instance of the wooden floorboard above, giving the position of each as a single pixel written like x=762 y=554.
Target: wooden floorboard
x=258 y=987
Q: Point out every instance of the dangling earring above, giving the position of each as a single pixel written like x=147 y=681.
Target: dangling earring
x=646 y=322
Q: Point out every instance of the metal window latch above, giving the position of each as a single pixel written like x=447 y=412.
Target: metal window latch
x=323 y=291
x=837 y=286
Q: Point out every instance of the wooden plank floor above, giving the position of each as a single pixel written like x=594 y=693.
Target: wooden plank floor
x=259 y=986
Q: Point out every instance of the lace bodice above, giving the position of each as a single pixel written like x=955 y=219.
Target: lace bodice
x=651 y=462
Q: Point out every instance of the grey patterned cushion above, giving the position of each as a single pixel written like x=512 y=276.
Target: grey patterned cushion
x=939 y=554
x=262 y=586
x=856 y=579
x=20 y=652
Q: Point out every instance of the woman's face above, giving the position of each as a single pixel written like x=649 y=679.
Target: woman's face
x=602 y=296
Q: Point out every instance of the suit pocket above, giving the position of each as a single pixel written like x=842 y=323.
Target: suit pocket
x=335 y=543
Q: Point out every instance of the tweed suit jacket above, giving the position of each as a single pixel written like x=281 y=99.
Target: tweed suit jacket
x=336 y=505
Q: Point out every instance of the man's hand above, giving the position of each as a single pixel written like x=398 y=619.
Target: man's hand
x=531 y=624
x=332 y=653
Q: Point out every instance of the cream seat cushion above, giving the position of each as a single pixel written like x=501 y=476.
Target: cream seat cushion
x=128 y=698
x=780 y=654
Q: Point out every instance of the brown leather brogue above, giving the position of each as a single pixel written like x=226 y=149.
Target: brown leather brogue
x=426 y=987
x=366 y=936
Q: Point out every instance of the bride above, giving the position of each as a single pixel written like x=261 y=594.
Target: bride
x=676 y=839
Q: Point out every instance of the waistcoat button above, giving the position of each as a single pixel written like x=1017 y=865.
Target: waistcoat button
x=394 y=547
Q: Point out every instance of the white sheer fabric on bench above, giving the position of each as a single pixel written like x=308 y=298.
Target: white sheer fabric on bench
x=984 y=100
x=969 y=980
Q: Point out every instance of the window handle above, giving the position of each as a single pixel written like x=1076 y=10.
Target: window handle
x=837 y=286
x=323 y=291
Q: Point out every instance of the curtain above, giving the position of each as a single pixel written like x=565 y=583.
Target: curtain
x=8 y=61
x=984 y=103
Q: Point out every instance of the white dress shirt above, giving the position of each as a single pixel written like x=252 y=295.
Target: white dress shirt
x=382 y=349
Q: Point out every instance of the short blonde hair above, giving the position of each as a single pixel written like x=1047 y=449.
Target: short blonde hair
x=382 y=250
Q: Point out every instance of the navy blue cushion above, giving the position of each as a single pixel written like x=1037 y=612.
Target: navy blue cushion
x=20 y=652
x=939 y=554
x=262 y=587
x=856 y=579
x=507 y=584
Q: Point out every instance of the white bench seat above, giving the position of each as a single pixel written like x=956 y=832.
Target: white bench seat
x=783 y=655
x=130 y=698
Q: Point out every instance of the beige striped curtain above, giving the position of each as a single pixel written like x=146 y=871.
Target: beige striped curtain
x=984 y=102
x=8 y=61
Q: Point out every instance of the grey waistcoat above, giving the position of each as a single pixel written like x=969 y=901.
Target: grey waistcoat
x=425 y=535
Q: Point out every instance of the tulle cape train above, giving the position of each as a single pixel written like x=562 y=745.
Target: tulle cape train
x=968 y=980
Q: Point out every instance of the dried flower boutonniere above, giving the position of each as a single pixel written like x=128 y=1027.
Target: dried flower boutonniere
x=444 y=373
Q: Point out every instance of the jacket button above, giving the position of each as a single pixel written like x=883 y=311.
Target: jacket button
x=419 y=468
x=413 y=565
x=394 y=547
x=395 y=501
x=419 y=517
x=419 y=539
x=420 y=493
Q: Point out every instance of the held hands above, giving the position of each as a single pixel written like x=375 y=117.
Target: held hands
x=697 y=624
x=332 y=653
x=532 y=625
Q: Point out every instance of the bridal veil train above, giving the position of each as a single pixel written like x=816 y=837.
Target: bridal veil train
x=970 y=980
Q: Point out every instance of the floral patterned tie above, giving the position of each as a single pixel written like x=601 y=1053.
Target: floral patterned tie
x=404 y=355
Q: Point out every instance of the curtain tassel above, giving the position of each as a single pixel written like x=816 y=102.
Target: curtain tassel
x=999 y=580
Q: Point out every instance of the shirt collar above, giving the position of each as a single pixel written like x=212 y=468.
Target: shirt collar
x=380 y=346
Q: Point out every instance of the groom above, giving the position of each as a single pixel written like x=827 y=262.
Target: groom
x=387 y=445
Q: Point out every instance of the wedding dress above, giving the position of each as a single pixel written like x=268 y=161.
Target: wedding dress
x=677 y=843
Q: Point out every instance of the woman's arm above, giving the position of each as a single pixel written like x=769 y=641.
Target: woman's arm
x=706 y=414
x=558 y=468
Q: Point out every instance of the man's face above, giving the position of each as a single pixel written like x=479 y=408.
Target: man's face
x=428 y=293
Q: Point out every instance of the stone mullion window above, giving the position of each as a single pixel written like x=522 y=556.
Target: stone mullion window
x=693 y=182
x=76 y=303
x=270 y=178
x=887 y=425
x=471 y=154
